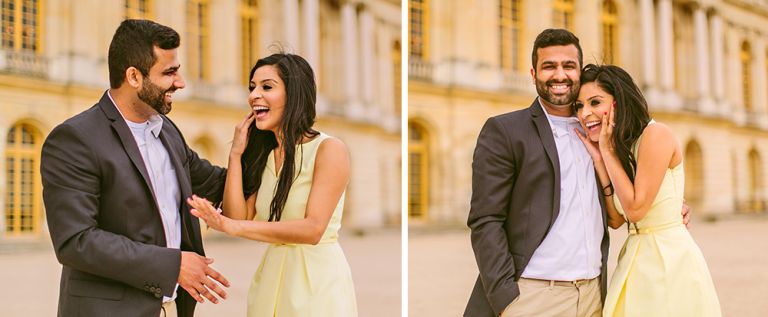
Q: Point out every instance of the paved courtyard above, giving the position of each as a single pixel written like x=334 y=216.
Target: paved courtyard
x=31 y=278
x=442 y=267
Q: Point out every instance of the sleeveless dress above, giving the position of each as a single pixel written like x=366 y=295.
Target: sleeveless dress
x=661 y=271
x=301 y=280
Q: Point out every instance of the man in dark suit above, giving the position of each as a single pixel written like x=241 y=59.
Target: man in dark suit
x=536 y=216
x=114 y=182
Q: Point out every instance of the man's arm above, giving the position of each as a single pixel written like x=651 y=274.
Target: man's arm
x=207 y=179
x=71 y=189
x=493 y=176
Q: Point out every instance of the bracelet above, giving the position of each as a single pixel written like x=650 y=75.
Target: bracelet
x=609 y=186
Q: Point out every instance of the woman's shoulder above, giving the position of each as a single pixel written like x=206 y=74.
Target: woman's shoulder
x=658 y=140
x=656 y=131
x=333 y=154
x=330 y=144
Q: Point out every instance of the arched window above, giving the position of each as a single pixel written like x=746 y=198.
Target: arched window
x=418 y=170
x=610 y=21
x=249 y=36
x=139 y=9
x=746 y=75
x=563 y=14
x=418 y=17
x=198 y=39
x=694 y=175
x=22 y=180
x=21 y=24
x=510 y=32
x=756 y=198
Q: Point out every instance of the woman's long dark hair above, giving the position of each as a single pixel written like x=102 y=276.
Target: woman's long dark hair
x=631 y=112
x=298 y=119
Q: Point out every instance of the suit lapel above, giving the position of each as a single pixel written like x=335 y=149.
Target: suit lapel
x=602 y=199
x=548 y=141
x=126 y=139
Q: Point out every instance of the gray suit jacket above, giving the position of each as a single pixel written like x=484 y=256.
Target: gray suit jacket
x=104 y=222
x=515 y=201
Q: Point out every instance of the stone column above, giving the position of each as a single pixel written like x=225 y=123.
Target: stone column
x=702 y=52
x=225 y=35
x=310 y=46
x=291 y=23
x=648 y=36
x=718 y=61
x=759 y=97
x=734 y=79
x=349 y=27
x=670 y=99
x=666 y=45
x=78 y=61
x=367 y=64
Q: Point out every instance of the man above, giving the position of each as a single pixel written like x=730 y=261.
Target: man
x=537 y=213
x=114 y=180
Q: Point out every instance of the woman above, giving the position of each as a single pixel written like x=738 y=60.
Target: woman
x=292 y=179
x=660 y=271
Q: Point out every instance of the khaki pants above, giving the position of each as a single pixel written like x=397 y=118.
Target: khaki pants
x=556 y=299
x=169 y=309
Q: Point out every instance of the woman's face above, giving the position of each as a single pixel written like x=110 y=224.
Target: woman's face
x=591 y=105
x=267 y=98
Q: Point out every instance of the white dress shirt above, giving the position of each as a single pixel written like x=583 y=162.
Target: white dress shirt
x=571 y=249
x=162 y=176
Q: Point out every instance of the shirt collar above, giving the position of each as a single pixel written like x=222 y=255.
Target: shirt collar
x=561 y=126
x=572 y=118
x=155 y=123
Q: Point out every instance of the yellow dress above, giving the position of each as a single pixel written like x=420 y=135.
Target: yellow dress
x=301 y=280
x=661 y=271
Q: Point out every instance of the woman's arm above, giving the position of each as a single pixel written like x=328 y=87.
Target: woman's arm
x=330 y=178
x=654 y=157
x=615 y=220
x=235 y=206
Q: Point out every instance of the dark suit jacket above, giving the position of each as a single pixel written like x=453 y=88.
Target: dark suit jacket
x=104 y=221
x=515 y=201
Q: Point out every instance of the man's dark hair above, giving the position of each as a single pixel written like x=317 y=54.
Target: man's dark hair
x=555 y=37
x=133 y=45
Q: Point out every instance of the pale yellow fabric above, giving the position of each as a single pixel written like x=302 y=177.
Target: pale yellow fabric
x=661 y=271
x=541 y=298
x=300 y=279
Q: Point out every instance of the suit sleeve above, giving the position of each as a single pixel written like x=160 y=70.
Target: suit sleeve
x=207 y=179
x=71 y=190
x=493 y=177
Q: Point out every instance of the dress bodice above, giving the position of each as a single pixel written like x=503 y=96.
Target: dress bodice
x=296 y=204
x=666 y=207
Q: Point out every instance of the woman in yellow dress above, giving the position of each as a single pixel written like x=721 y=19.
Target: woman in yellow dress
x=285 y=186
x=660 y=271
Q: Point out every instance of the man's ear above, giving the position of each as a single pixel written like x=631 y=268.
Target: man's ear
x=533 y=75
x=134 y=77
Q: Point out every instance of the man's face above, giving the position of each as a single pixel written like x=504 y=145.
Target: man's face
x=557 y=77
x=164 y=78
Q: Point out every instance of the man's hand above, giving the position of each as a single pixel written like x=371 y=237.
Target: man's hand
x=195 y=276
x=686 y=212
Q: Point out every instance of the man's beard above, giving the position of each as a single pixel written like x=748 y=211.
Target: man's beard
x=563 y=100
x=154 y=96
